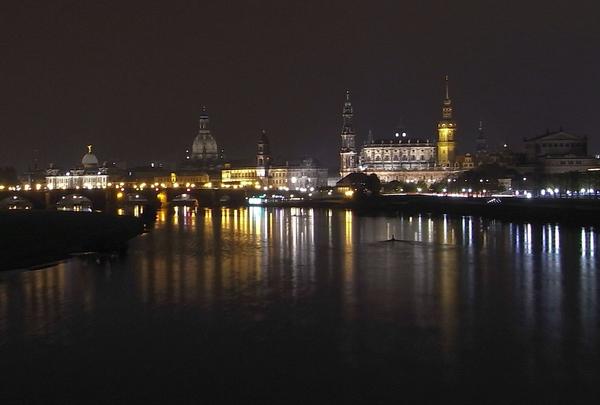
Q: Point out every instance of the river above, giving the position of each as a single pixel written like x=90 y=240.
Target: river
x=301 y=305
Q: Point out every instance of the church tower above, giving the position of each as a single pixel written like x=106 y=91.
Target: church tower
x=263 y=157
x=348 y=162
x=446 y=145
x=481 y=148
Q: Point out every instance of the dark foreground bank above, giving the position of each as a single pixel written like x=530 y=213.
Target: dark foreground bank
x=30 y=238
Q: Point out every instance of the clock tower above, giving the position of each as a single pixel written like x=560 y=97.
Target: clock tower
x=446 y=145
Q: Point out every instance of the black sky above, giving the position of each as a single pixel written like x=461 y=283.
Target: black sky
x=131 y=77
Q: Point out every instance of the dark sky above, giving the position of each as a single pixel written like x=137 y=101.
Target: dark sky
x=131 y=77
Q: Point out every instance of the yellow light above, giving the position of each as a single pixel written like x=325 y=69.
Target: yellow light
x=1 y=187
x=119 y=195
x=349 y=193
x=175 y=185
x=38 y=186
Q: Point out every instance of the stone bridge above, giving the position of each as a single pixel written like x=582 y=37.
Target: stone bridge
x=110 y=198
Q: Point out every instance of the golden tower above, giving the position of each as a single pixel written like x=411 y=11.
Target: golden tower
x=446 y=145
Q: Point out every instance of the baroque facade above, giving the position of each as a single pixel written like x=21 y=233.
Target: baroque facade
x=304 y=175
x=559 y=152
x=401 y=158
x=89 y=174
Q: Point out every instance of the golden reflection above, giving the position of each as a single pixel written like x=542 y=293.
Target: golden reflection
x=44 y=297
x=348 y=227
x=175 y=215
x=448 y=288
x=349 y=298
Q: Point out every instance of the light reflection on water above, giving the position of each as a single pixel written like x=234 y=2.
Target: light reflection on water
x=449 y=285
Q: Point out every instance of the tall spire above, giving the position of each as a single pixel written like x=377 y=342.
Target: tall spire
x=481 y=141
x=447 y=90
x=447 y=104
x=347 y=115
x=348 y=161
x=446 y=145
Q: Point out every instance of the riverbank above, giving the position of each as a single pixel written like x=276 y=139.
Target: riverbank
x=31 y=238
x=565 y=211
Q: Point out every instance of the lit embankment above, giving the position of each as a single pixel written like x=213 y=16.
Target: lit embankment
x=576 y=211
x=31 y=238
x=565 y=210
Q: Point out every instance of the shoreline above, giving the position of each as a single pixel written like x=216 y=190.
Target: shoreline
x=563 y=211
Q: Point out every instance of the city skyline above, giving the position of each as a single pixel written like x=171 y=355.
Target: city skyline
x=91 y=74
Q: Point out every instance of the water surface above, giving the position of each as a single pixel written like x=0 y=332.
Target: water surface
x=296 y=305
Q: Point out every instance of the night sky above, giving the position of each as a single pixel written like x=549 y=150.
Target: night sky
x=131 y=77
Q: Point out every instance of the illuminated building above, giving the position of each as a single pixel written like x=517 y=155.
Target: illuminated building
x=401 y=153
x=403 y=157
x=348 y=155
x=263 y=157
x=446 y=145
x=305 y=174
x=204 y=149
x=90 y=174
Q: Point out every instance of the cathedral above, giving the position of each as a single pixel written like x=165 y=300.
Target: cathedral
x=401 y=158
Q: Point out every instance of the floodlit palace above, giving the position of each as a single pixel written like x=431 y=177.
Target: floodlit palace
x=403 y=158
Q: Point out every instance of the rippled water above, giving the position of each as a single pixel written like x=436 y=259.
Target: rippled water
x=297 y=305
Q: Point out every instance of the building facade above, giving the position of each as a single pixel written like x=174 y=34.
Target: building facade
x=402 y=158
x=90 y=174
x=348 y=154
x=446 y=145
x=305 y=174
x=559 y=152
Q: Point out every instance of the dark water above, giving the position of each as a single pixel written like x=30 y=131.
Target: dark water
x=306 y=306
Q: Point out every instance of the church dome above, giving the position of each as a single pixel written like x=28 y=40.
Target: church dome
x=89 y=159
x=204 y=147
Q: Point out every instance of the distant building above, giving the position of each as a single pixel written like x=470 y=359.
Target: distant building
x=90 y=174
x=305 y=174
x=403 y=158
x=348 y=154
x=466 y=161
x=205 y=155
x=559 y=152
x=446 y=144
x=481 y=145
